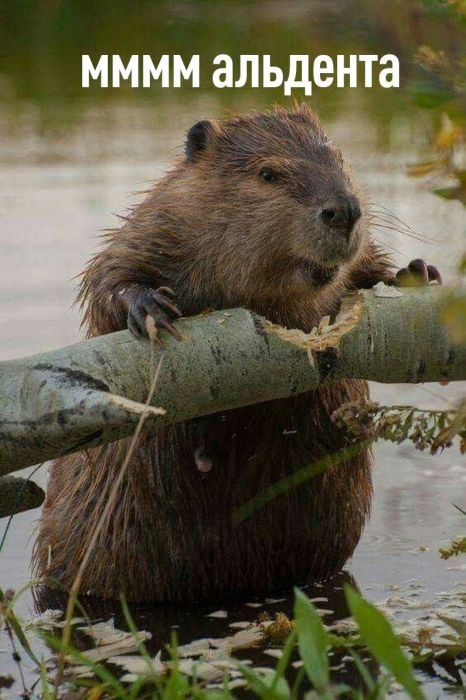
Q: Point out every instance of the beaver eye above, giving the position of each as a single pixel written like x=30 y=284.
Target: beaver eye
x=267 y=175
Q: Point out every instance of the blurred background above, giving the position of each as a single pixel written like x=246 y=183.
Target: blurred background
x=71 y=157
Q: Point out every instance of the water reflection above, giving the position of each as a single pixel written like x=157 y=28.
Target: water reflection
x=52 y=210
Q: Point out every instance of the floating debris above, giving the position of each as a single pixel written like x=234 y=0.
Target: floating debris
x=110 y=642
x=274 y=653
x=218 y=614
x=137 y=666
x=46 y=621
x=400 y=602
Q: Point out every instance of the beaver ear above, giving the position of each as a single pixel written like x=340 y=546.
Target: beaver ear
x=198 y=138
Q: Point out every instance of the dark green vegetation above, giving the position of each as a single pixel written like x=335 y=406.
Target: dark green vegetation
x=41 y=45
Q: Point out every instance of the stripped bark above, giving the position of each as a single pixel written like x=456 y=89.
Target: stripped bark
x=92 y=392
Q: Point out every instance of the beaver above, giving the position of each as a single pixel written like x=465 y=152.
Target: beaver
x=259 y=212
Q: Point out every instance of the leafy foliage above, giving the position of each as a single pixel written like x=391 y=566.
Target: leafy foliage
x=434 y=430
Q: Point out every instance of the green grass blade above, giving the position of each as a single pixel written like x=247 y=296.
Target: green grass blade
x=295 y=691
x=80 y=658
x=284 y=661
x=15 y=626
x=256 y=684
x=363 y=671
x=312 y=642
x=382 y=642
x=265 y=687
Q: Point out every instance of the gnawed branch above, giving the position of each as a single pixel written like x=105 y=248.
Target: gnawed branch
x=92 y=393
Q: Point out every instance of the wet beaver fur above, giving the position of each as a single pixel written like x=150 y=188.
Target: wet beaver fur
x=260 y=212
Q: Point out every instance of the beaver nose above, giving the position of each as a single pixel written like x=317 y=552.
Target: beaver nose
x=343 y=215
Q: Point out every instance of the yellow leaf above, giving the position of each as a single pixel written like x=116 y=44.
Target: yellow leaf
x=449 y=133
x=94 y=694
x=421 y=169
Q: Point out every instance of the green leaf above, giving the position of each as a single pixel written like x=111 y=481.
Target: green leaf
x=296 y=689
x=363 y=671
x=284 y=662
x=178 y=686
x=380 y=691
x=458 y=193
x=377 y=633
x=312 y=641
x=255 y=683
x=264 y=686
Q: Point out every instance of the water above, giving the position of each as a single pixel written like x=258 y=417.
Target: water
x=68 y=163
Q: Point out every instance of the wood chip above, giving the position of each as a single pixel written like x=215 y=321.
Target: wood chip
x=218 y=614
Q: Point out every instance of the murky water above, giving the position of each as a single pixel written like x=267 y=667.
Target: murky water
x=69 y=160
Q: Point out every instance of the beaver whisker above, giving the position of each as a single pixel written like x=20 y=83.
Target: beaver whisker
x=378 y=223
x=390 y=216
x=385 y=245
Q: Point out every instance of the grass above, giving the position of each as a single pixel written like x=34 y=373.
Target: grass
x=309 y=677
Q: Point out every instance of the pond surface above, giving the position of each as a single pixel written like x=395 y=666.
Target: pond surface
x=68 y=166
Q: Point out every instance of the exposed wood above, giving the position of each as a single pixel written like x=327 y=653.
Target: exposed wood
x=62 y=401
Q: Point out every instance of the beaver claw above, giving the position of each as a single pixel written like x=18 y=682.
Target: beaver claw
x=417 y=274
x=142 y=301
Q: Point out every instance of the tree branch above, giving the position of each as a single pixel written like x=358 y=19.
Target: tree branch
x=62 y=401
x=18 y=494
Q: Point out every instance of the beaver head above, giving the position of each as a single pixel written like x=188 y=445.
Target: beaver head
x=272 y=204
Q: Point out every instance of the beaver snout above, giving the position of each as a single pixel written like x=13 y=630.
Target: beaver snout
x=342 y=214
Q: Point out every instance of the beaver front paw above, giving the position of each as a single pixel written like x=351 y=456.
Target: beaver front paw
x=417 y=274
x=142 y=301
